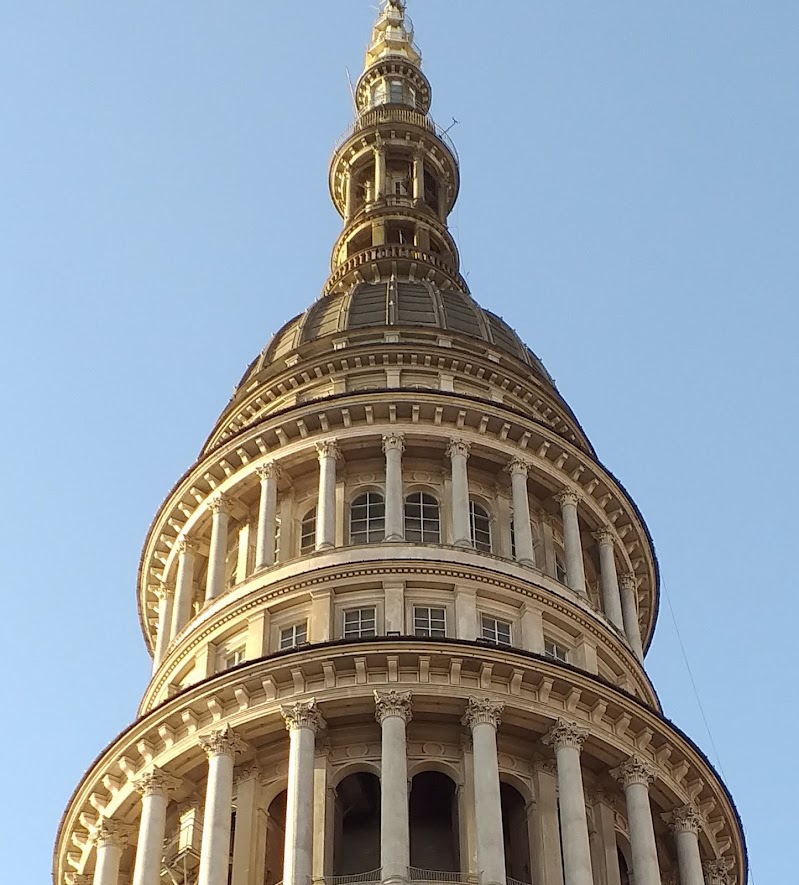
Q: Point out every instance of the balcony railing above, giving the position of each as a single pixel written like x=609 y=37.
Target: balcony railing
x=416 y=874
x=369 y=878
x=397 y=114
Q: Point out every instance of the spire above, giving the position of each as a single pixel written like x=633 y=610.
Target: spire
x=393 y=35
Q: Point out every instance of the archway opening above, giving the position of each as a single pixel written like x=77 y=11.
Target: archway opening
x=515 y=834
x=624 y=870
x=356 y=847
x=275 y=839
x=434 y=823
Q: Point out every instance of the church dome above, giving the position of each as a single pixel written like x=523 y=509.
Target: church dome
x=396 y=304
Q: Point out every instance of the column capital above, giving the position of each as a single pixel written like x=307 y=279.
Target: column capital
x=686 y=819
x=303 y=714
x=219 y=504
x=156 y=782
x=565 y=734
x=628 y=581
x=247 y=772
x=518 y=467
x=222 y=742
x=636 y=770
x=393 y=703
x=547 y=764
x=394 y=442
x=458 y=446
x=483 y=711
x=568 y=496
x=717 y=871
x=186 y=545
x=603 y=537
x=165 y=590
x=328 y=448
x=77 y=879
x=270 y=470
x=110 y=832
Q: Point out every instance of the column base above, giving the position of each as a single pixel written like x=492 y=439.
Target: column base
x=527 y=563
x=326 y=546
x=394 y=538
x=464 y=543
x=395 y=880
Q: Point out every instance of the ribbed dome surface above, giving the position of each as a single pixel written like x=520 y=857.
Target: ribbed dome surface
x=400 y=304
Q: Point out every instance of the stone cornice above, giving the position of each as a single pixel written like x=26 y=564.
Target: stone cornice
x=619 y=726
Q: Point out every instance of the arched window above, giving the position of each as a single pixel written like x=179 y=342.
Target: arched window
x=368 y=519
x=308 y=531
x=422 y=519
x=480 y=523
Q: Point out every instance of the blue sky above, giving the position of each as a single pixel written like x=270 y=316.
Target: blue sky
x=629 y=205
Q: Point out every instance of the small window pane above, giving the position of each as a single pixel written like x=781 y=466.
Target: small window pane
x=308 y=532
x=396 y=92
x=359 y=623
x=232 y=657
x=555 y=651
x=368 y=519
x=295 y=635
x=481 y=527
x=429 y=622
x=560 y=568
x=422 y=519
x=496 y=631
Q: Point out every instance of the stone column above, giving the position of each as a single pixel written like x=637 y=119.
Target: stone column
x=717 y=872
x=636 y=774
x=166 y=596
x=483 y=718
x=380 y=169
x=155 y=788
x=219 y=506
x=109 y=838
x=522 y=527
x=458 y=452
x=269 y=475
x=393 y=447
x=349 y=194
x=393 y=713
x=329 y=453
x=567 y=740
x=245 y=839
x=184 y=589
x=684 y=823
x=609 y=579
x=221 y=747
x=418 y=177
x=572 y=543
x=303 y=721
x=629 y=609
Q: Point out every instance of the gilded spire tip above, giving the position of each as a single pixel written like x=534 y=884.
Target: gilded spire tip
x=393 y=35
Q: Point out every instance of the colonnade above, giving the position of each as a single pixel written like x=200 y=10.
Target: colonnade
x=393 y=708
x=619 y=592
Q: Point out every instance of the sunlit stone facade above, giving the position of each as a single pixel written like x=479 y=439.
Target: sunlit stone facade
x=397 y=608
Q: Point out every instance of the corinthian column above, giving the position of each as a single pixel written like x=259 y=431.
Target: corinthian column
x=393 y=447
x=608 y=577
x=303 y=721
x=155 y=788
x=219 y=506
x=269 y=475
x=329 y=453
x=629 y=608
x=717 y=872
x=184 y=590
x=567 y=740
x=522 y=528
x=109 y=838
x=572 y=543
x=483 y=718
x=221 y=747
x=458 y=452
x=166 y=595
x=684 y=823
x=636 y=774
x=393 y=712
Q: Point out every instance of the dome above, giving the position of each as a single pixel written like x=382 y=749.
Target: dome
x=400 y=304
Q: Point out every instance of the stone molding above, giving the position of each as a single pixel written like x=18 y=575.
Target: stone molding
x=636 y=770
x=394 y=442
x=565 y=734
x=393 y=703
x=222 y=742
x=686 y=819
x=483 y=711
x=303 y=714
x=156 y=782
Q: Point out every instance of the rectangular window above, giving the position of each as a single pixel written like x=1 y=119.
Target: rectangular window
x=555 y=651
x=360 y=623
x=495 y=630
x=231 y=657
x=297 y=634
x=429 y=622
x=396 y=94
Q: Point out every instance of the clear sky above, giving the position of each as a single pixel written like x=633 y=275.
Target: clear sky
x=629 y=205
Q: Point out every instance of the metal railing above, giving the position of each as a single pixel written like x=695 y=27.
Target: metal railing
x=372 y=876
x=397 y=114
x=511 y=881
x=416 y=874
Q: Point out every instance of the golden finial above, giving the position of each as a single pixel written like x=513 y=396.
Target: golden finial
x=393 y=35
